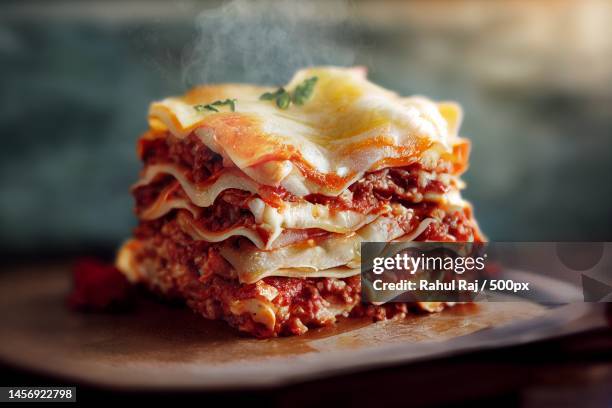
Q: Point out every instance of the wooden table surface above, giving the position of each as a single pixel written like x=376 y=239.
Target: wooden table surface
x=568 y=371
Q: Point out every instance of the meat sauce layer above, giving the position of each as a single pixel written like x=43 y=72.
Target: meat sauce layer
x=193 y=272
x=454 y=226
x=376 y=190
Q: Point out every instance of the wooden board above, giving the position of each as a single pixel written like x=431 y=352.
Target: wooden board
x=158 y=345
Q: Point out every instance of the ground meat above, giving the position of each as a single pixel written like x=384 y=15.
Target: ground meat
x=179 y=267
x=195 y=272
x=403 y=184
x=277 y=196
x=455 y=226
x=146 y=195
x=188 y=152
x=406 y=185
x=384 y=312
x=229 y=210
x=374 y=190
x=194 y=276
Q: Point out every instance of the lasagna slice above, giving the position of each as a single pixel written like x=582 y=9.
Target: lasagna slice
x=253 y=201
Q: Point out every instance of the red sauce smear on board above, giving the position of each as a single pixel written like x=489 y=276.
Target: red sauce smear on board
x=98 y=287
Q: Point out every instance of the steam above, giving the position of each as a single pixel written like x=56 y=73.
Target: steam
x=266 y=41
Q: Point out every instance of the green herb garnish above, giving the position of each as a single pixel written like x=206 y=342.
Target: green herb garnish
x=283 y=100
x=299 y=96
x=303 y=91
x=213 y=106
x=270 y=96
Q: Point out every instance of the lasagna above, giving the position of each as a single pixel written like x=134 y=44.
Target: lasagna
x=253 y=201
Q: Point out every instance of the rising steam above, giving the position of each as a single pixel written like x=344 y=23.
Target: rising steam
x=266 y=41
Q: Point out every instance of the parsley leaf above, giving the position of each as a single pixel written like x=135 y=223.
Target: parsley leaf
x=299 y=96
x=269 y=96
x=303 y=91
x=283 y=100
x=213 y=106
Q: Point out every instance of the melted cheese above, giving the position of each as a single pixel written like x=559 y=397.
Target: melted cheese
x=338 y=273
x=348 y=127
x=251 y=264
x=200 y=234
x=162 y=207
x=261 y=311
x=201 y=195
x=164 y=203
x=126 y=261
x=306 y=215
x=292 y=215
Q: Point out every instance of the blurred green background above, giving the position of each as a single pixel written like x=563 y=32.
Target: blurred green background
x=76 y=78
